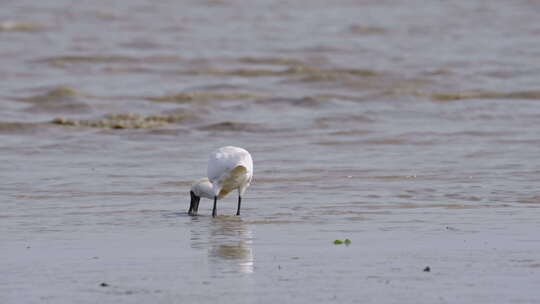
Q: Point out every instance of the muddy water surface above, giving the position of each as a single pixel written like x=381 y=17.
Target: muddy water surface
x=408 y=128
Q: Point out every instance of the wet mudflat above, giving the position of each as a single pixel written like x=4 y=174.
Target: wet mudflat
x=409 y=129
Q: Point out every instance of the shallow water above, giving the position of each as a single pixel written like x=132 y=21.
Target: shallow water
x=409 y=128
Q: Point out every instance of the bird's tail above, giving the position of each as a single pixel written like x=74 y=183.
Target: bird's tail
x=236 y=179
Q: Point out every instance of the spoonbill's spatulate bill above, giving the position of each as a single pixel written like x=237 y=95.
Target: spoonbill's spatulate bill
x=229 y=168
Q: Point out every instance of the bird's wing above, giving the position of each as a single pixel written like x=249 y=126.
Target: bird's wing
x=225 y=159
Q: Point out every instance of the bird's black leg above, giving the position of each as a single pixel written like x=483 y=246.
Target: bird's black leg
x=239 y=202
x=196 y=207
x=194 y=204
x=214 y=210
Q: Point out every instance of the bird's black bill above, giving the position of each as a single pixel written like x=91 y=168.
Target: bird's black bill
x=194 y=204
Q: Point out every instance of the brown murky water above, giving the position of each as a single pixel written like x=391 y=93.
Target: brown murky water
x=410 y=128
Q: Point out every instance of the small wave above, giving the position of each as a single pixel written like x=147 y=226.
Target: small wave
x=374 y=141
x=324 y=122
x=473 y=205
x=304 y=72
x=232 y=72
x=231 y=126
x=532 y=95
x=126 y=121
x=366 y=29
x=350 y=133
x=274 y=222
x=216 y=87
x=392 y=177
x=311 y=74
x=128 y=70
x=61 y=94
x=14 y=26
x=216 y=2
x=270 y=61
x=344 y=97
x=63 y=61
x=17 y=127
x=177 y=184
x=479 y=133
x=321 y=49
x=202 y=96
x=307 y=101
x=531 y=200
x=66 y=108
x=284 y=180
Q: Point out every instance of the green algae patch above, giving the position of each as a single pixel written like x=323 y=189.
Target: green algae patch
x=202 y=96
x=347 y=242
x=124 y=121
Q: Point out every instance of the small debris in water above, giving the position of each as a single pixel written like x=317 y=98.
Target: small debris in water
x=103 y=284
x=427 y=269
x=338 y=242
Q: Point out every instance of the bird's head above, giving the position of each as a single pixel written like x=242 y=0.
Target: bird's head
x=201 y=188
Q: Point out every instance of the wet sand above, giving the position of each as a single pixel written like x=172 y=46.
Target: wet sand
x=409 y=129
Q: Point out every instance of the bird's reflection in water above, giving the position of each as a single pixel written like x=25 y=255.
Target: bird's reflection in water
x=228 y=241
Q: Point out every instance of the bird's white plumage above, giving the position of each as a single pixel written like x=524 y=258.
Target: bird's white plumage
x=230 y=168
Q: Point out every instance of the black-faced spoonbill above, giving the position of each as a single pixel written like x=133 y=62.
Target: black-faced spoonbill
x=229 y=168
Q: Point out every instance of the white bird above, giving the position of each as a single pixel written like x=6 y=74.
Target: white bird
x=229 y=168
